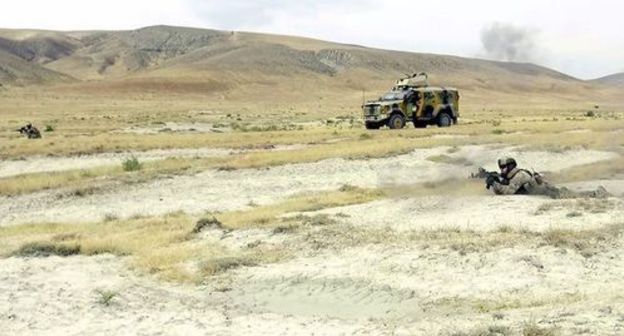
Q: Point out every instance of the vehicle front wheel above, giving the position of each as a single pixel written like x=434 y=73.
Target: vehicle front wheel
x=444 y=120
x=396 y=121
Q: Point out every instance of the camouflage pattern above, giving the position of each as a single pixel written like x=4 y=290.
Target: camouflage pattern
x=30 y=132
x=517 y=181
x=564 y=193
x=411 y=99
x=520 y=181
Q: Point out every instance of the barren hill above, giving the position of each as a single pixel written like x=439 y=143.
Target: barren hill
x=202 y=61
x=615 y=80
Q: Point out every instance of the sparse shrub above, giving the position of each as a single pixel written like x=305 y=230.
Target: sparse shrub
x=226 y=168
x=211 y=223
x=498 y=131
x=131 y=164
x=316 y=220
x=545 y=207
x=49 y=128
x=590 y=114
x=109 y=217
x=452 y=150
x=105 y=297
x=493 y=330
x=504 y=229
x=496 y=123
x=65 y=237
x=498 y=316
x=348 y=188
x=46 y=249
x=574 y=214
x=532 y=329
x=284 y=229
x=365 y=136
x=220 y=265
x=82 y=192
x=137 y=216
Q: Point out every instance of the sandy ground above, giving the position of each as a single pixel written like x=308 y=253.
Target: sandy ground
x=330 y=287
x=228 y=190
x=58 y=296
x=176 y=127
x=378 y=289
x=481 y=213
x=40 y=164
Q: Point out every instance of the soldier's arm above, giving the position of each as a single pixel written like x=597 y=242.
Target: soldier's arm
x=520 y=179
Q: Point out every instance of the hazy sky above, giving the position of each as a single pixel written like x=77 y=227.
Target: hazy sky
x=580 y=37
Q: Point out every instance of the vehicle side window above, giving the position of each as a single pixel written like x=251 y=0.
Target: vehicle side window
x=445 y=97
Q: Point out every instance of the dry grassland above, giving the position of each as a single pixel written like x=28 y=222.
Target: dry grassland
x=250 y=108
x=167 y=246
x=323 y=143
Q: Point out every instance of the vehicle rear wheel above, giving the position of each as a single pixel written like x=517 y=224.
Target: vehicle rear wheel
x=396 y=121
x=444 y=120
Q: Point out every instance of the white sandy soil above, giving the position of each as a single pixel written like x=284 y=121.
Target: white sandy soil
x=214 y=190
x=40 y=164
x=392 y=287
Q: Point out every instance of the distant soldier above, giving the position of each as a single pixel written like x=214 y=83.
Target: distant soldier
x=30 y=131
x=513 y=180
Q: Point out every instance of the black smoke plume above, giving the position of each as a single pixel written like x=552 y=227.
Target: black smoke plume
x=505 y=42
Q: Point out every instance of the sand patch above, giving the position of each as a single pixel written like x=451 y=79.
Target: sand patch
x=40 y=164
x=58 y=296
x=477 y=213
x=176 y=127
x=614 y=186
x=540 y=161
x=215 y=190
x=412 y=288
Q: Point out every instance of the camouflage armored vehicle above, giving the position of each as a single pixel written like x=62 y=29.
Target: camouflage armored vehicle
x=412 y=99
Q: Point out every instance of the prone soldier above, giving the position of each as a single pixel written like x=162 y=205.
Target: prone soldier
x=30 y=131
x=513 y=180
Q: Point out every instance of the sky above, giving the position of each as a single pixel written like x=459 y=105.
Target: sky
x=581 y=38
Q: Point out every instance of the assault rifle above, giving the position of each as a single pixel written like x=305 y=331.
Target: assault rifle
x=489 y=176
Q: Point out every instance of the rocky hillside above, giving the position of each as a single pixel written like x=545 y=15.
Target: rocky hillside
x=208 y=60
x=614 y=80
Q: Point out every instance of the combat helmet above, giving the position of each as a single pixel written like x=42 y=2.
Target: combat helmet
x=507 y=162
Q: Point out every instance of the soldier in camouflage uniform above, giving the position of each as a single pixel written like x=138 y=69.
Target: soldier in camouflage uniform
x=30 y=131
x=513 y=180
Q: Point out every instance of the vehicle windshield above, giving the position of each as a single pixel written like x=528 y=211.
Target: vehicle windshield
x=394 y=95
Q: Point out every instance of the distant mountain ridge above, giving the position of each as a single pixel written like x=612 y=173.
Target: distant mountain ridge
x=227 y=60
x=615 y=79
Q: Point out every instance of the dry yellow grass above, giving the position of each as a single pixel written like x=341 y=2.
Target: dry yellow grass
x=160 y=246
x=584 y=242
x=351 y=143
x=165 y=246
x=269 y=216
